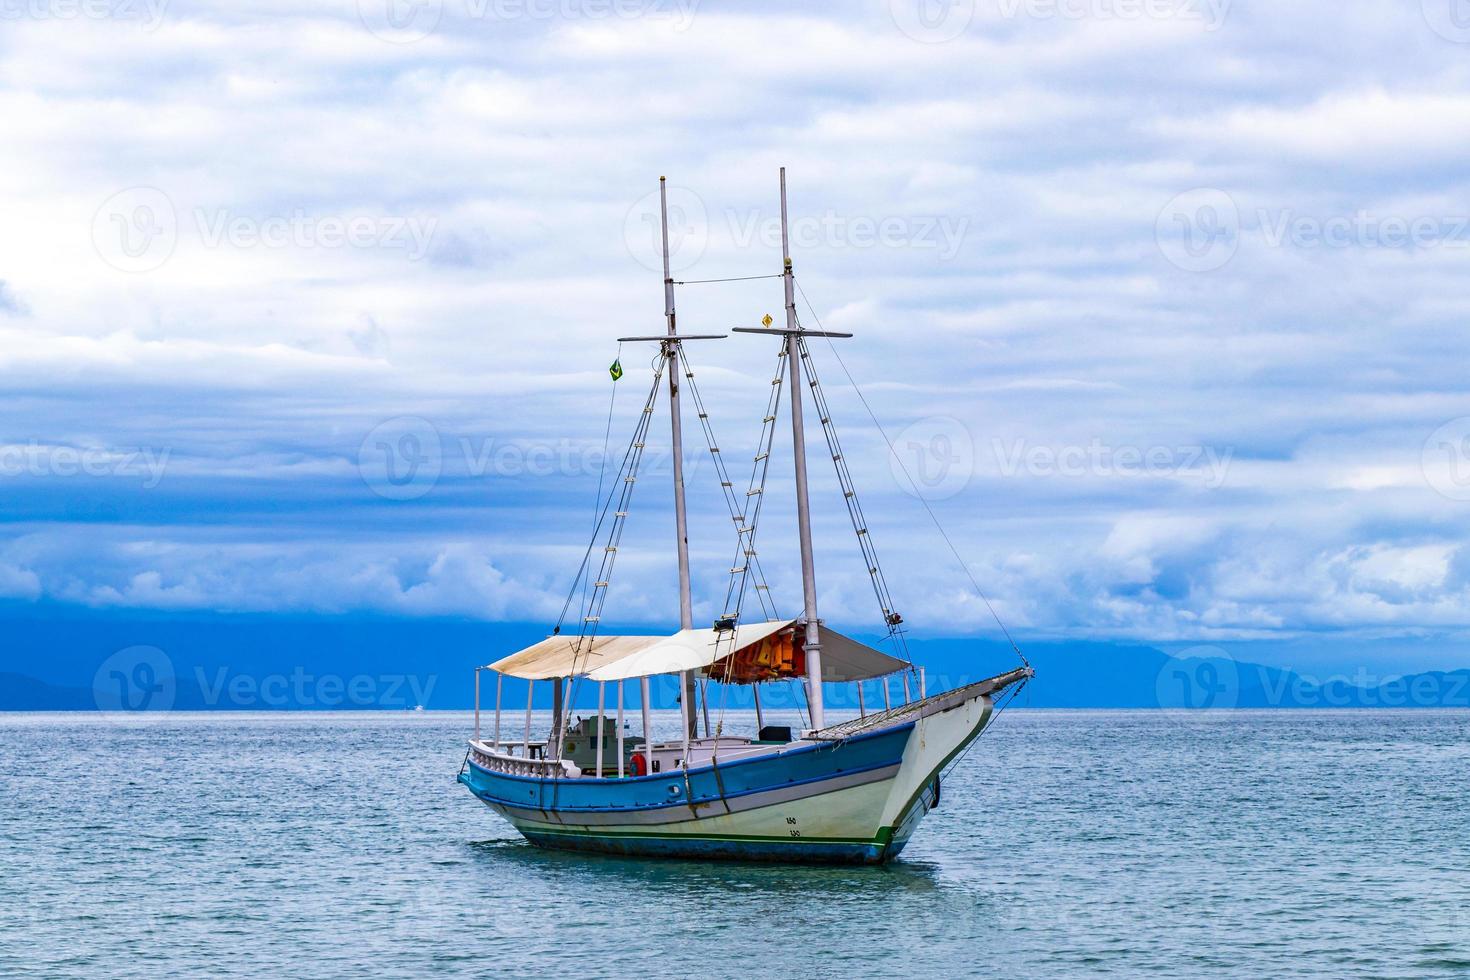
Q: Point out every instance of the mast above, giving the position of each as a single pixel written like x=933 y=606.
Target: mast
x=813 y=645
x=681 y=519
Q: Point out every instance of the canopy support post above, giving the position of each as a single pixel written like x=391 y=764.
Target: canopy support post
x=923 y=692
x=887 y=701
x=621 y=685
x=477 y=703
x=647 y=724
x=760 y=722
x=558 y=723
x=601 y=728
x=499 y=684
x=704 y=705
x=862 y=709
x=526 y=741
x=685 y=714
x=906 y=697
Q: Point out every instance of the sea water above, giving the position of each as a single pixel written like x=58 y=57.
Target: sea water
x=1128 y=844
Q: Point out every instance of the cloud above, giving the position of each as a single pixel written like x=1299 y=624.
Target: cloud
x=248 y=238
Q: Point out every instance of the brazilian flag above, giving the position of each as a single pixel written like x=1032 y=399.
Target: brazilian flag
x=616 y=370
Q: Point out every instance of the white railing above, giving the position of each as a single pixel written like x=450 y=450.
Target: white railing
x=486 y=757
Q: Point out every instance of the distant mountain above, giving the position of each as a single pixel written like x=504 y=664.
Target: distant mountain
x=21 y=693
x=53 y=658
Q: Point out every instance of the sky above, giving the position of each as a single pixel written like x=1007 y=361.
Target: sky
x=306 y=309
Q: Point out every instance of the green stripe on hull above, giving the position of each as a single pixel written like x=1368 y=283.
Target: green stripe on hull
x=724 y=846
x=882 y=838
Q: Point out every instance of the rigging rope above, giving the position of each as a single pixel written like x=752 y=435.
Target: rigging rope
x=927 y=509
x=632 y=456
x=697 y=282
x=891 y=619
x=732 y=503
x=602 y=469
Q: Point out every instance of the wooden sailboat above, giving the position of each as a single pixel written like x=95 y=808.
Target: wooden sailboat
x=846 y=792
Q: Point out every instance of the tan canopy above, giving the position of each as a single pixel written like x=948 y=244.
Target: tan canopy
x=613 y=658
x=561 y=656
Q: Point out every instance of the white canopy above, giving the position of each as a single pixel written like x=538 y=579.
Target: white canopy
x=614 y=658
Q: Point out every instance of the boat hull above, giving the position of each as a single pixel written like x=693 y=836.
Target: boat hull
x=853 y=801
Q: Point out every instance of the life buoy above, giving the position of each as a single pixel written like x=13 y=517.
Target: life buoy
x=639 y=763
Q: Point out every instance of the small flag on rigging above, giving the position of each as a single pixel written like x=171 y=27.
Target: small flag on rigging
x=617 y=369
x=766 y=320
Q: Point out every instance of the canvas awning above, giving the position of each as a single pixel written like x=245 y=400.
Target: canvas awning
x=561 y=656
x=614 y=658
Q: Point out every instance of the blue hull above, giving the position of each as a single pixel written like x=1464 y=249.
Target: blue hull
x=668 y=814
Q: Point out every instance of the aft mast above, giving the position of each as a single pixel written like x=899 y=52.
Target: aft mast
x=681 y=519
x=813 y=645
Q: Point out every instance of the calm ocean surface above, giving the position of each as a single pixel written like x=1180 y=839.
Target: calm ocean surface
x=1126 y=844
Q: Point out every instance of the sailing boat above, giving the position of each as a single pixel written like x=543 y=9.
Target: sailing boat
x=849 y=791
